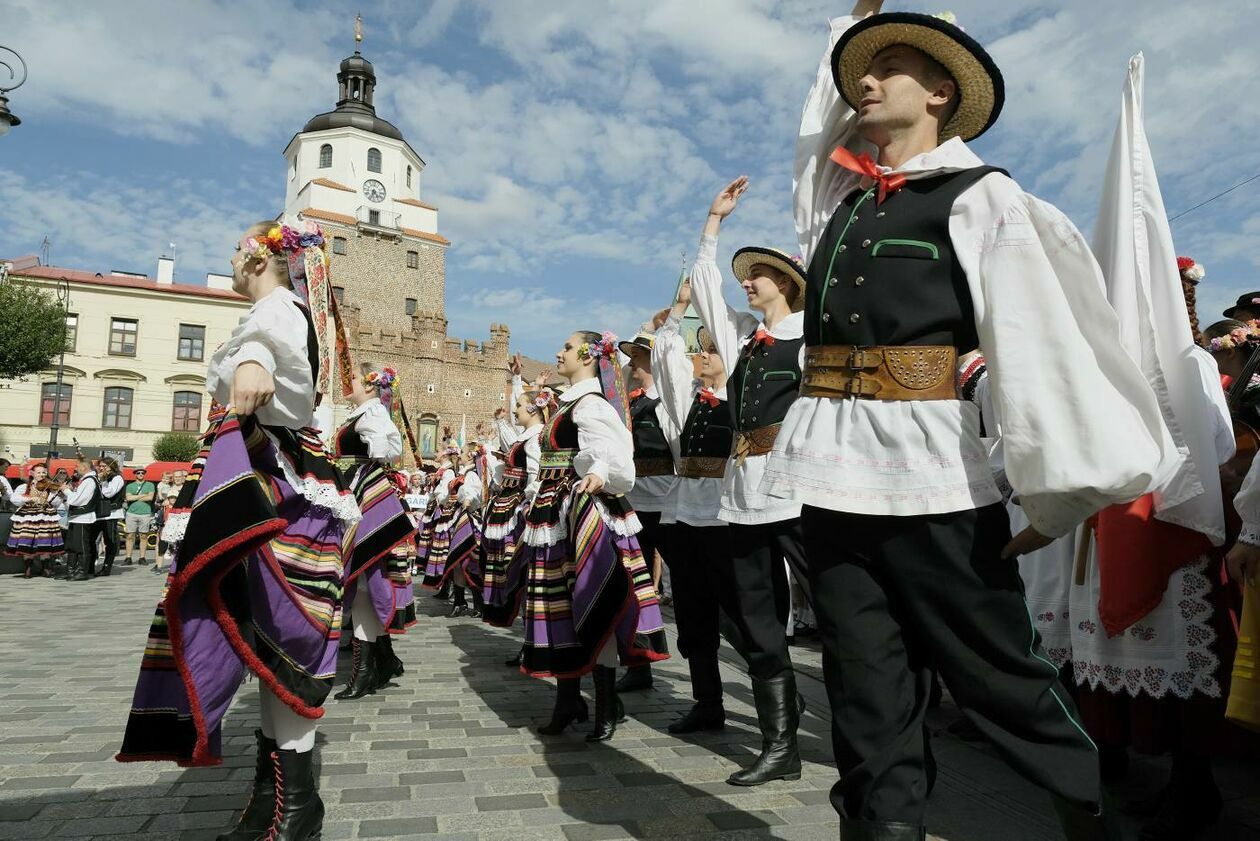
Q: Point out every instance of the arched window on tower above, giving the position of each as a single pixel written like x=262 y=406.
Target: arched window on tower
x=408 y=176
x=325 y=156
x=374 y=160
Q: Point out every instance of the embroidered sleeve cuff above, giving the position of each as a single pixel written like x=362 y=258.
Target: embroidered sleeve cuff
x=708 y=250
x=256 y=352
x=1250 y=534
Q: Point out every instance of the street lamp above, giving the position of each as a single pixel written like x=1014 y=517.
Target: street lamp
x=63 y=298
x=7 y=118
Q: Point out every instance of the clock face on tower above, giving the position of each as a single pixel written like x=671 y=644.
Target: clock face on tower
x=373 y=190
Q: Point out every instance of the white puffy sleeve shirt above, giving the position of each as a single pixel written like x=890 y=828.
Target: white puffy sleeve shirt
x=605 y=447
x=470 y=492
x=273 y=334
x=1081 y=427
x=376 y=429
x=657 y=493
x=743 y=500
x=533 y=454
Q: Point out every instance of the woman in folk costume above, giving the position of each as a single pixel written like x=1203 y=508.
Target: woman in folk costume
x=763 y=355
x=505 y=516
x=453 y=564
x=261 y=522
x=701 y=430
x=428 y=544
x=36 y=533
x=589 y=601
x=378 y=581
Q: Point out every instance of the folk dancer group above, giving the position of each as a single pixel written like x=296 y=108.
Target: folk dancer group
x=869 y=430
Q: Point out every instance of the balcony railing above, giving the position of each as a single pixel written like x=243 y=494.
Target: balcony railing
x=374 y=218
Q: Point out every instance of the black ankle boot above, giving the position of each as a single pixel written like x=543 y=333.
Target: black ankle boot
x=608 y=709
x=778 y=716
x=1081 y=824
x=444 y=592
x=569 y=707
x=880 y=831
x=479 y=603
x=460 y=606
x=388 y=664
x=706 y=687
x=635 y=678
x=256 y=819
x=515 y=662
x=362 y=679
x=299 y=813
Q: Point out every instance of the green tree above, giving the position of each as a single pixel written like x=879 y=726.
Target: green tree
x=32 y=327
x=175 y=446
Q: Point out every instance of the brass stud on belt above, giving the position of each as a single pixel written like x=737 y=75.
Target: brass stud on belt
x=858 y=281
x=854 y=318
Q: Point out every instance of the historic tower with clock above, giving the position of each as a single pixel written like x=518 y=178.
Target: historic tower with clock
x=358 y=177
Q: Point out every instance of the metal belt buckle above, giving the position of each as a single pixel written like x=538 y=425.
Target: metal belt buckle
x=853 y=386
x=860 y=358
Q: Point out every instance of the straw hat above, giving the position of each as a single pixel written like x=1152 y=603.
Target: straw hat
x=791 y=266
x=641 y=339
x=981 y=91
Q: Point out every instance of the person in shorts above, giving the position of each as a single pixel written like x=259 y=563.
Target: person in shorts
x=138 y=517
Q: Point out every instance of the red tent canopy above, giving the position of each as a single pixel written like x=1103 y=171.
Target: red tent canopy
x=154 y=471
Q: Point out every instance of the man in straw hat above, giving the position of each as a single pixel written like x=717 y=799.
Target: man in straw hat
x=917 y=257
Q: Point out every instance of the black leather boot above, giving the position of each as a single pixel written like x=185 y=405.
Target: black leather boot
x=388 y=665
x=706 y=687
x=362 y=679
x=880 y=831
x=1081 y=824
x=515 y=662
x=636 y=678
x=608 y=709
x=460 y=605
x=479 y=603
x=77 y=566
x=569 y=707
x=778 y=716
x=299 y=813
x=256 y=819
x=444 y=591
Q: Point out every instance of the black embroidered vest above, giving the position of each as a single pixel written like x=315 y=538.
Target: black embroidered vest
x=707 y=431
x=888 y=275
x=348 y=443
x=764 y=383
x=649 y=438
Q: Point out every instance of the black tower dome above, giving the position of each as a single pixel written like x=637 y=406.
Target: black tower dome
x=355 y=82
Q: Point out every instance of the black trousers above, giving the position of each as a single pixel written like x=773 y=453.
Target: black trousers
x=655 y=537
x=899 y=597
x=696 y=558
x=753 y=592
x=81 y=546
x=109 y=530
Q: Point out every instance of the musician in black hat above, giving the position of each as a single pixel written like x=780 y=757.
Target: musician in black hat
x=919 y=254
x=1246 y=308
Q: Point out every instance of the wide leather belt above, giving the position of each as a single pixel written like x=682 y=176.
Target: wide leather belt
x=513 y=477
x=754 y=442
x=702 y=467
x=555 y=464
x=909 y=372
x=660 y=466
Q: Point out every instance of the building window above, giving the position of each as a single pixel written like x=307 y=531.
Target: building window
x=117 y=408
x=468 y=392
x=325 y=156
x=192 y=342
x=72 y=331
x=432 y=388
x=411 y=306
x=122 y=336
x=374 y=160
x=374 y=217
x=413 y=259
x=186 y=414
x=48 y=404
x=409 y=176
x=339 y=294
x=339 y=245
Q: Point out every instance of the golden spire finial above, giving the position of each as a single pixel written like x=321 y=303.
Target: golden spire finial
x=358 y=28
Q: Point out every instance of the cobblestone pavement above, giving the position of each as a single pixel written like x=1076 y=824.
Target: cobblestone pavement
x=449 y=753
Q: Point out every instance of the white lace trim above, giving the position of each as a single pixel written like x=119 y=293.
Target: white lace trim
x=550 y=535
x=319 y=494
x=175 y=526
x=1250 y=534
x=1200 y=662
x=499 y=531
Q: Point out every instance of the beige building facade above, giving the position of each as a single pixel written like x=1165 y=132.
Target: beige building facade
x=135 y=363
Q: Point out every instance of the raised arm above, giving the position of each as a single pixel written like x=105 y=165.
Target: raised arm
x=726 y=325
x=670 y=366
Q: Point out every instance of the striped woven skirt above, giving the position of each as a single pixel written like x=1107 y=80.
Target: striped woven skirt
x=456 y=546
x=377 y=556
x=264 y=522
x=428 y=528
x=36 y=532
x=586 y=584
x=504 y=582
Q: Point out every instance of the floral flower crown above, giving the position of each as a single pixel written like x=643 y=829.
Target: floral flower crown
x=282 y=238
x=384 y=378
x=546 y=397
x=1190 y=270
x=1238 y=337
x=605 y=348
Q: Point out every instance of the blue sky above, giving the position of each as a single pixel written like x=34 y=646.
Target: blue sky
x=573 y=146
